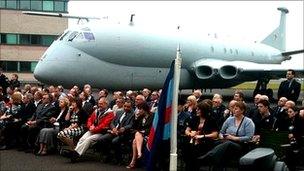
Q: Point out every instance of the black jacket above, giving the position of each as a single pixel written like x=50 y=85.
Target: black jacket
x=43 y=114
x=292 y=92
x=127 y=121
x=4 y=82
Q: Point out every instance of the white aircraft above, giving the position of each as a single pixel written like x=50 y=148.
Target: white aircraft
x=127 y=56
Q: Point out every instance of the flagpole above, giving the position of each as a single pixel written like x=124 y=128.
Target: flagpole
x=173 y=140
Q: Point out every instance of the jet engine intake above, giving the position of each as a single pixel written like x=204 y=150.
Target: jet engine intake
x=228 y=72
x=204 y=72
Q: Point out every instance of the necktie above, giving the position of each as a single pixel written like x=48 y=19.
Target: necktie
x=289 y=83
x=278 y=111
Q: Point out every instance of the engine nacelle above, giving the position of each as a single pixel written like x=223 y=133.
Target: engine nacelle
x=205 y=72
x=228 y=72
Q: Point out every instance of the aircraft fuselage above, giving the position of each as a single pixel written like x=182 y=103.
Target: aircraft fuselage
x=121 y=56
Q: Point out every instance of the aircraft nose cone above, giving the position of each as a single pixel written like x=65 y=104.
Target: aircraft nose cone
x=37 y=71
x=43 y=71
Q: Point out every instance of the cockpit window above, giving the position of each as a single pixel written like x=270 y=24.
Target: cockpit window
x=89 y=36
x=63 y=35
x=72 y=35
x=80 y=36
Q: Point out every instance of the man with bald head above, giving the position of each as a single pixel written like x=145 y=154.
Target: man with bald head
x=289 y=104
x=98 y=122
x=279 y=110
x=198 y=95
x=139 y=99
x=218 y=110
x=281 y=116
x=254 y=108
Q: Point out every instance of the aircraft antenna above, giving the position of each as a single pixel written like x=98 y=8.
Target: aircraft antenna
x=131 y=19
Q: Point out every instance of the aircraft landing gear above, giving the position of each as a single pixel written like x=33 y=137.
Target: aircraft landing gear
x=261 y=88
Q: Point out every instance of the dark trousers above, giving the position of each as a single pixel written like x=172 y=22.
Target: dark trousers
x=29 y=136
x=225 y=152
x=192 y=151
x=294 y=155
x=11 y=133
x=110 y=141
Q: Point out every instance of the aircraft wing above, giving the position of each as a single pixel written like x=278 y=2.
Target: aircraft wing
x=292 y=52
x=61 y=15
x=239 y=70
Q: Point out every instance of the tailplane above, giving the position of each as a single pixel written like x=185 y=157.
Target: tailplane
x=277 y=38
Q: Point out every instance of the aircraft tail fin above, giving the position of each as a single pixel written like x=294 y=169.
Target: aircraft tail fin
x=277 y=38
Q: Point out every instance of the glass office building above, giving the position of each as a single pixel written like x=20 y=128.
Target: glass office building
x=24 y=38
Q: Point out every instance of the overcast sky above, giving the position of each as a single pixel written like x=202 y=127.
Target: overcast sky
x=229 y=20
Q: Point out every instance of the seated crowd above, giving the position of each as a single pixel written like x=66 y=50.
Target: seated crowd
x=37 y=120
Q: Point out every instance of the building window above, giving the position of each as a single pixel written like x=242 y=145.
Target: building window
x=11 y=66
x=236 y=52
x=48 y=6
x=33 y=66
x=59 y=6
x=35 y=39
x=225 y=50
x=47 y=40
x=11 y=39
x=25 y=66
x=65 y=6
x=25 y=4
x=18 y=66
x=11 y=4
x=2 y=3
x=2 y=38
x=36 y=5
x=25 y=39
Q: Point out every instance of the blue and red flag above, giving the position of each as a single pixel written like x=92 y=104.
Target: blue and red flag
x=160 y=130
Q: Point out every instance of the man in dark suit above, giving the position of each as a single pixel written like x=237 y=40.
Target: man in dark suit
x=119 y=130
x=279 y=111
x=290 y=88
x=86 y=105
x=39 y=120
x=4 y=82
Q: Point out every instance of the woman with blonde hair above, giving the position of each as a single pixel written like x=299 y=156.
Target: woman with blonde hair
x=191 y=104
x=10 y=121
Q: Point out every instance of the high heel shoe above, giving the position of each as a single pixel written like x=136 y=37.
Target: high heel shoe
x=43 y=153
x=38 y=153
x=131 y=166
x=139 y=156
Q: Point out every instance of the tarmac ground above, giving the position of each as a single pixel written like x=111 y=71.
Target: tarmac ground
x=13 y=160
